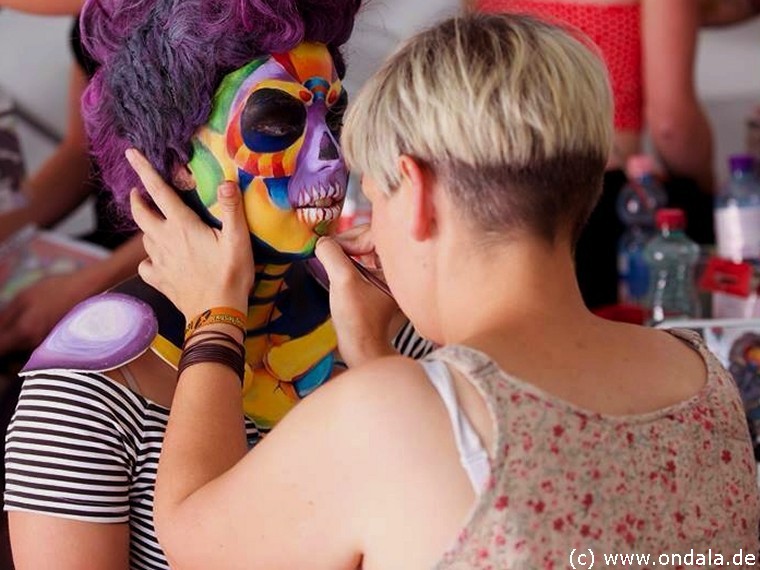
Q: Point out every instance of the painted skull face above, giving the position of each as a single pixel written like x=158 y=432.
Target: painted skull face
x=274 y=129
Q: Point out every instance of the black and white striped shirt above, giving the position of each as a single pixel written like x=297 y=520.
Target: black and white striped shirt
x=408 y=342
x=85 y=448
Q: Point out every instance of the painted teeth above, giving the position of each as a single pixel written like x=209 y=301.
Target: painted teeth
x=314 y=216
x=320 y=196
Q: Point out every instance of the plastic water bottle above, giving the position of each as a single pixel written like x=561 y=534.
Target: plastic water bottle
x=737 y=212
x=636 y=206
x=672 y=258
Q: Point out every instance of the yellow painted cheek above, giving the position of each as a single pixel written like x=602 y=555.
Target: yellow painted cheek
x=281 y=229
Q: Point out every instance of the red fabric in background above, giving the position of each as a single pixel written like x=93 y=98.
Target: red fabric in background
x=615 y=29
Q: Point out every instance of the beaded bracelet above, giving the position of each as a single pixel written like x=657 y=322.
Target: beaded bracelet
x=209 y=350
x=217 y=315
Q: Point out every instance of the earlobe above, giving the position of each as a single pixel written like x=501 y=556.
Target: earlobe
x=418 y=184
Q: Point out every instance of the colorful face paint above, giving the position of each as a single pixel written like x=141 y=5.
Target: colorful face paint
x=274 y=129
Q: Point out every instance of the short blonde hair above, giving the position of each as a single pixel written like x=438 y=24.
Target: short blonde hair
x=505 y=107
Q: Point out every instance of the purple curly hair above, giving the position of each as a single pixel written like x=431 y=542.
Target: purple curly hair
x=161 y=62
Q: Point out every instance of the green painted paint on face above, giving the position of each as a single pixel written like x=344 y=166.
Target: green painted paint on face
x=225 y=94
x=207 y=172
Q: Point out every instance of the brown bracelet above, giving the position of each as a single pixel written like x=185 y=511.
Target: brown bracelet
x=209 y=350
x=213 y=335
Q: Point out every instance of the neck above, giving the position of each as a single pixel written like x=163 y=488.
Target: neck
x=267 y=285
x=520 y=285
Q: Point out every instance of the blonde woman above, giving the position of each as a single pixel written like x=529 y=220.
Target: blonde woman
x=536 y=430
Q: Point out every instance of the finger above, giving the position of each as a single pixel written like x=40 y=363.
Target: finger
x=338 y=266
x=234 y=224
x=145 y=218
x=357 y=241
x=162 y=194
x=153 y=249
x=147 y=272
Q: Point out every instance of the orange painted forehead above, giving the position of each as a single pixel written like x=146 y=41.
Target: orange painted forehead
x=306 y=61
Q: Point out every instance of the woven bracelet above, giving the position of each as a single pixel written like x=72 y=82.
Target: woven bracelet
x=209 y=350
x=217 y=315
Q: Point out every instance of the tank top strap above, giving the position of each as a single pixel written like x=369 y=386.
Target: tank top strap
x=718 y=375
x=472 y=454
x=492 y=384
x=476 y=365
x=690 y=337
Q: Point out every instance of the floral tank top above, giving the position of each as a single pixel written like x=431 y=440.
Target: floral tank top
x=568 y=484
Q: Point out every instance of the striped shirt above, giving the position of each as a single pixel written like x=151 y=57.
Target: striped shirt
x=85 y=448
x=408 y=342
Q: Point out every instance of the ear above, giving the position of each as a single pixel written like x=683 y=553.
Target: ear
x=418 y=183
x=183 y=179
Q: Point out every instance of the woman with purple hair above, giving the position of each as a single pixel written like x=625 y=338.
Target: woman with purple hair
x=241 y=90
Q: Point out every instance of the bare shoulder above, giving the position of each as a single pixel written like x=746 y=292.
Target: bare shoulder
x=676 y=349
x=658 y=354
x=388 y=403
x=364 y=394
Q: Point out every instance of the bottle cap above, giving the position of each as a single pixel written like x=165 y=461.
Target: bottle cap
x=639 y=165
x=671 y=218
x=741 y=162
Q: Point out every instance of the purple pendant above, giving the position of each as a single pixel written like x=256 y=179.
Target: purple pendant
x=99 y=334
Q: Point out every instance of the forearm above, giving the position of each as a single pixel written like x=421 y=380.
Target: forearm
x=52 y=193
x=58 y=187
x=683 y=140
x=196 y=453
x=46 y=7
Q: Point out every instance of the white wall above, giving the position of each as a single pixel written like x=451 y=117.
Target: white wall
x=728 y=80
x=34 y=62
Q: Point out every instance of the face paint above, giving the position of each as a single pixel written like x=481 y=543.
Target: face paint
x=274 y=129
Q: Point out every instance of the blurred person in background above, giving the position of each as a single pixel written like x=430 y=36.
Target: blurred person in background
x=649 y=47
x=64 y=181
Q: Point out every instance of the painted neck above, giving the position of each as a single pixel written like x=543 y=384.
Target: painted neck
x=268 y=284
